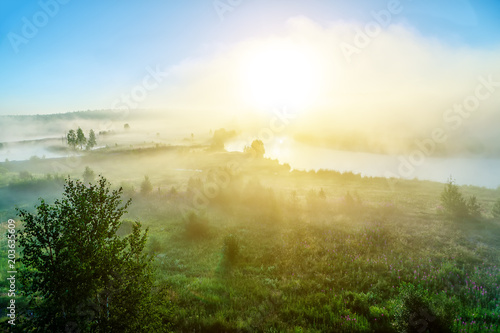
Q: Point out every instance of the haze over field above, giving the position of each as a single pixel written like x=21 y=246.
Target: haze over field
x=250 y=166
x=378 y=77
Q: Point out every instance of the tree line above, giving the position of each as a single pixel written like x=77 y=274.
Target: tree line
x=77 y=138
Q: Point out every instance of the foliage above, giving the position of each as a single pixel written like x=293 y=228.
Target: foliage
x=220 y=137
x=71 y=138
x=413 y=312
x=196 y=227
x=342 y=267
x=78 y=274
x=322 y=194
x=473 y=207
x=256 y=149
x=81 y=140
x=25 y=175
x=88 y=175
x=231 y=249
x=456 y=205
x=350 y=203
x=77 y=138
x=146 y=186
x=91 y=142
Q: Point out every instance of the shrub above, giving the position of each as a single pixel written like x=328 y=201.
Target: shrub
x=125 y=228
x=414 y=313
x=350 y=203
x=473 y=207
x=411 y=313
x=231 y=249
x=452 y=200
x=25 y=175
x=315 y=200
x=196 y=227
x=322 y=194
x=359 y=302
x=88 y=175
x=146 y=186
x=128 y=189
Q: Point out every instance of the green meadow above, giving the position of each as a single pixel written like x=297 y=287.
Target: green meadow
x=245 y=244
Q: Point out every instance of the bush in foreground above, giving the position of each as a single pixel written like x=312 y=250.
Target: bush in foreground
x=79 y=275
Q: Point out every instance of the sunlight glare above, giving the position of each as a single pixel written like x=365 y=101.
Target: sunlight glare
x=281 y=74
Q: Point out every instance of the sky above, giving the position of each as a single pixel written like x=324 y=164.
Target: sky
x=61 y=56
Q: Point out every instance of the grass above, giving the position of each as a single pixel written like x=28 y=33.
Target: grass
x=316 y=252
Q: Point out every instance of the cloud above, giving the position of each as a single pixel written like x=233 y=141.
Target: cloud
x=397 y=86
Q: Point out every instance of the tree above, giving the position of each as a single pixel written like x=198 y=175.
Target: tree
x=473 y=207
x=71 y=139
x=322 y=194
x=80 y=138
x=88 y=175
x=453 y=201
x=92 y=142
x=78 y=274
x=456 y=205
x=220 y=137
x=126 y=126
x=146 y=186
x=256 y=149
x=258 y=146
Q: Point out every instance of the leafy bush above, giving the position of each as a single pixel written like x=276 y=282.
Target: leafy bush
x=146 y=186
x=359 y=302
x=350 y=203
x=231 y=249
x=473 y=207
x=88 y=175
x=126 y=228
x=196 y=227
x=25 y=175
x=37 y=184
x=413 y=312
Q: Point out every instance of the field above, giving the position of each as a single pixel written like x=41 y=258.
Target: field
x=244 y=244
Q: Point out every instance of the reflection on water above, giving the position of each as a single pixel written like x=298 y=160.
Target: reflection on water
x=467 y=171
x=20 y=151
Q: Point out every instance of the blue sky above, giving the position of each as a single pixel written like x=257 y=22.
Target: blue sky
x=89 y=52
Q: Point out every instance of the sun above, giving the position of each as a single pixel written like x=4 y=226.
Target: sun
x=279 y=74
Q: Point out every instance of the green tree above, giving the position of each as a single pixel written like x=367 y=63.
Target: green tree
x=80 y=138
x=91 y=142
x=71 y=138
x=453 y=201
x=78 y=274
x=146 y=186
x=88 y=175
x=473 y=207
